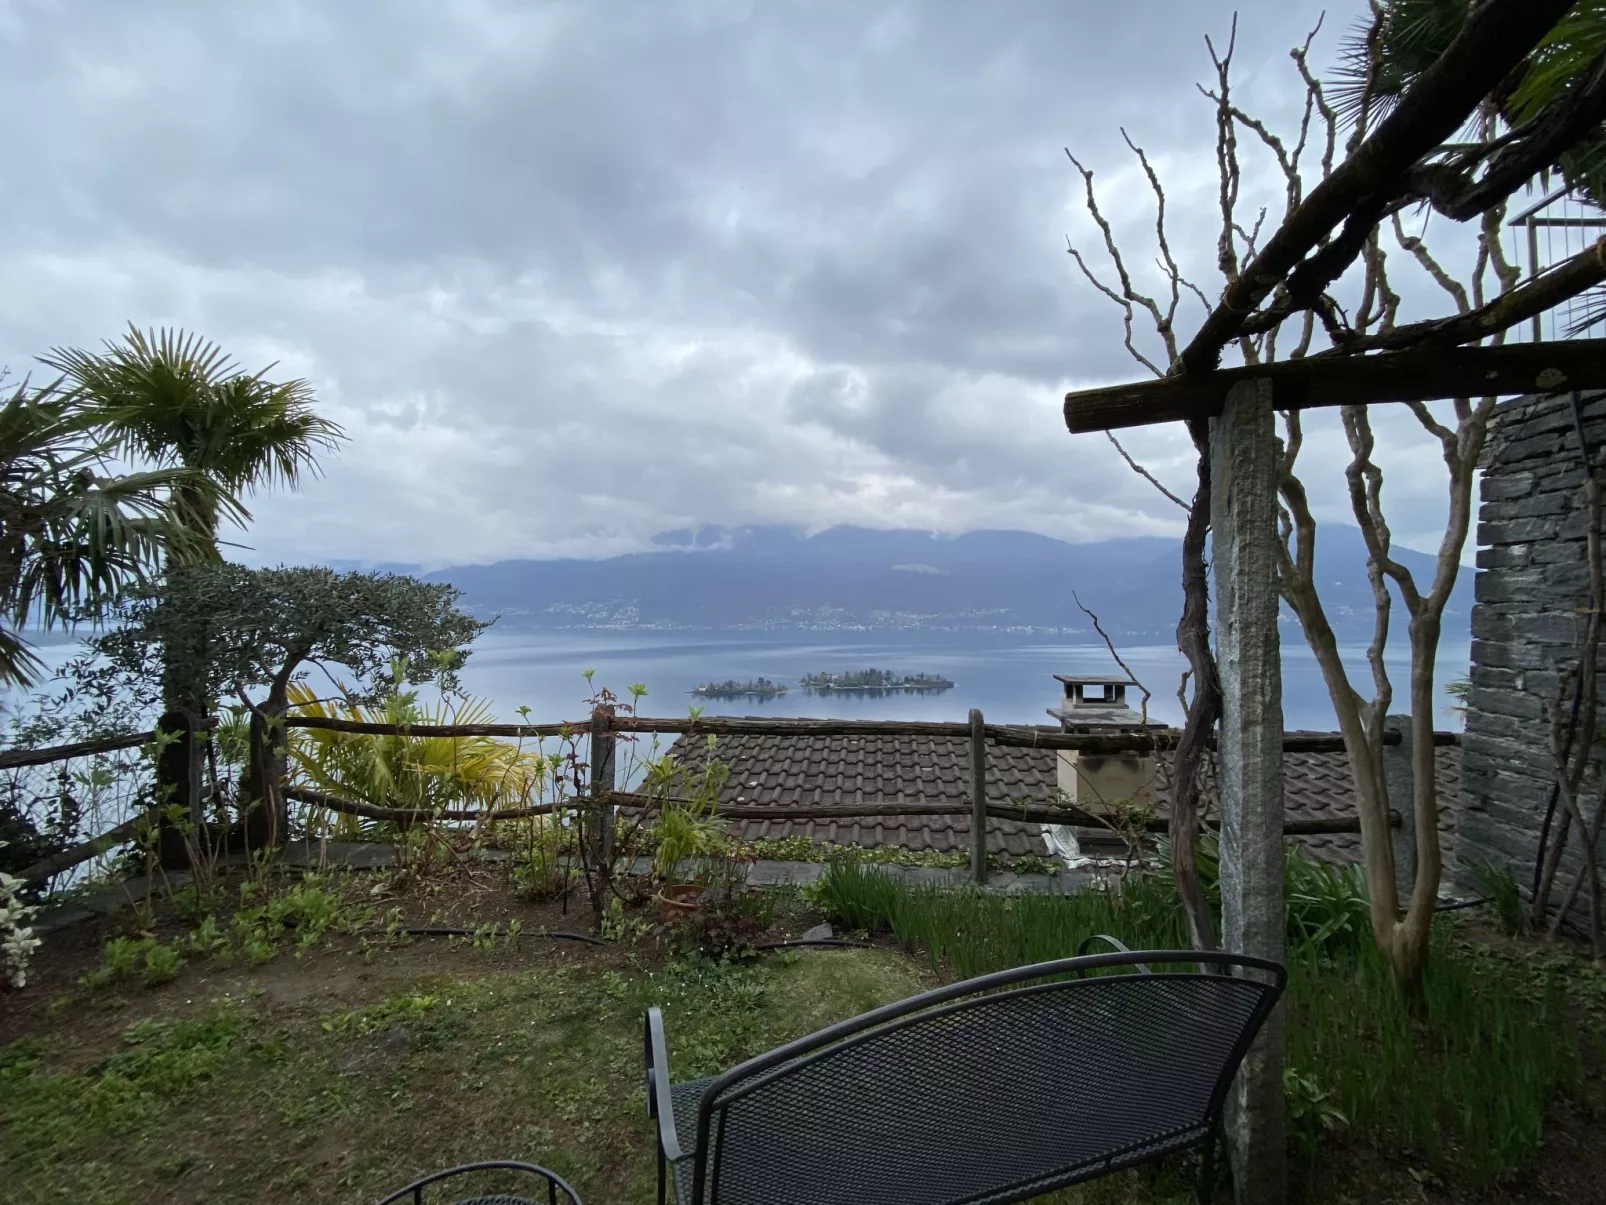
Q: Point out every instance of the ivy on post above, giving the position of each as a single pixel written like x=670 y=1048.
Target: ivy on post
x=265 y=818
x=181 y=831
x=1243 y=516
x=602 y=781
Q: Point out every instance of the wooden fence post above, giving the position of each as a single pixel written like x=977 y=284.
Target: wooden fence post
x=1249 y=775
x=601 y=754
x=978 y=798
x=178 y=792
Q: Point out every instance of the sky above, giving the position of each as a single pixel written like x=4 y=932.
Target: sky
x=570 y=274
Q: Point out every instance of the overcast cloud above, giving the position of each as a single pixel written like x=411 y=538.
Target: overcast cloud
x=572 y=274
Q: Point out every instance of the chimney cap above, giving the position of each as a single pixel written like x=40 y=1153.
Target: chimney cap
x=1095 y=680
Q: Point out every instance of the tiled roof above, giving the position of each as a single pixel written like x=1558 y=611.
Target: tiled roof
x=792 y=770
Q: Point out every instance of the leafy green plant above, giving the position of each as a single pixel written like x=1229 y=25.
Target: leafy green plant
x=686 y=803
x=543 y=866
x=119 y=958
x=162 y=964
x=1497 y=885
x=619 y=925
x=17 y=940
x=309 y=909
x=1313 y=1113
x=207 y=939
x=732 y=917
x=1326 y=904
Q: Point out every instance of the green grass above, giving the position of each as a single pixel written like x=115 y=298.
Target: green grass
x=1461 y=1087
x=229 y=1103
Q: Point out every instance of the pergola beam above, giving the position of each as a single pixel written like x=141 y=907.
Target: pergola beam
x=1419 y=375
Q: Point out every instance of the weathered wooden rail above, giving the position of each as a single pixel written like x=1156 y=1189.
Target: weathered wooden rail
x=178 y=772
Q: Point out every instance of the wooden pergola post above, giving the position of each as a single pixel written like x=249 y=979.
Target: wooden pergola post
x=1243 y=519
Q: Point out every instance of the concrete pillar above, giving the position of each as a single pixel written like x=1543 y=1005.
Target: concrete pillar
x=1397 y=781
x=1243 y=519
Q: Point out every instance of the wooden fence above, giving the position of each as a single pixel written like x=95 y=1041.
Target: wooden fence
x=180 y=752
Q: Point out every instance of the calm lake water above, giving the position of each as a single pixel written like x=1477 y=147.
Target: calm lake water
x=1009 y=677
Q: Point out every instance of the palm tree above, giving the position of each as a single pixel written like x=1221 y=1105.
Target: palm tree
x=1386 y=53
x=177 y=400
x=1389 y=50
x=432 y=773
x=71 y=536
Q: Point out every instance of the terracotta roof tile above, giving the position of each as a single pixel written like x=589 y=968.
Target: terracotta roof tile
x=777 y=770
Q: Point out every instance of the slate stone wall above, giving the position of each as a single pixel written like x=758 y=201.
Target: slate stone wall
x=1527 y=625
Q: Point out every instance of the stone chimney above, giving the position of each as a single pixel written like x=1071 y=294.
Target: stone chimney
x=1093 y=704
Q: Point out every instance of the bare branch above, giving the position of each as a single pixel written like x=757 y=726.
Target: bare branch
x=1430 y=424
x=1168 y=262
x=1226 y=152
x=1298 y=54
x=1126 y=308
x=1416 y=247
x=1143 y=472
x=1109 y=644
x=1366 y=502
x=1128 y=295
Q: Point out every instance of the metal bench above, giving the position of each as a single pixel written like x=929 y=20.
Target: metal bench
x=991 y=1090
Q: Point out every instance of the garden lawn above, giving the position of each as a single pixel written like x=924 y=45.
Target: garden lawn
x=228 y=1100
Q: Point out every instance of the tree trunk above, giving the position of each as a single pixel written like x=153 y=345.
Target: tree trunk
x=1365 y=761
x=1193 y=638
x=1408 y=952
x=267 y=818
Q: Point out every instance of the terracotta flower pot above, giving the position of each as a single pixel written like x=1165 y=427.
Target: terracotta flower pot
x=677 y=901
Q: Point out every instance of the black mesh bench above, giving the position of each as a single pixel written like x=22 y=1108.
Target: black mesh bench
x=991 y=1090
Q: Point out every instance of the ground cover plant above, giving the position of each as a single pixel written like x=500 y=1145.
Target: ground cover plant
x=293 y=1035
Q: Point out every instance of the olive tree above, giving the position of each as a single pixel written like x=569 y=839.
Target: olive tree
x=248 y=634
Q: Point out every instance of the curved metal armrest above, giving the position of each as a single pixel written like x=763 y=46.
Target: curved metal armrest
x=659 y=1105
x=554 y=1182
x=1121 y=946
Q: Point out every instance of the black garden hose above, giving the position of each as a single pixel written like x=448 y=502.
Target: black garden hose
x=452 y=931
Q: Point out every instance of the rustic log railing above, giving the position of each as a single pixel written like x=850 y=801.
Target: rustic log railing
x=1033 y=812
x=13 y=759
x=605 y=730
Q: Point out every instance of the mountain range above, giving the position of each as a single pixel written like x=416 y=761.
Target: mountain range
x=855 y=577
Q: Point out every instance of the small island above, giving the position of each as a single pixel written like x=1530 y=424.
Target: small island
x=761 y=688
x=874 y=680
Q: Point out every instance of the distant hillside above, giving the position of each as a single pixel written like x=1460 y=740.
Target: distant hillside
x=852 y=577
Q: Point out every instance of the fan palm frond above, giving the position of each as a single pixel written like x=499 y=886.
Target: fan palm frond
x=1379 y=61
x=177 y=399
x=73 y=536
x=428 y=772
